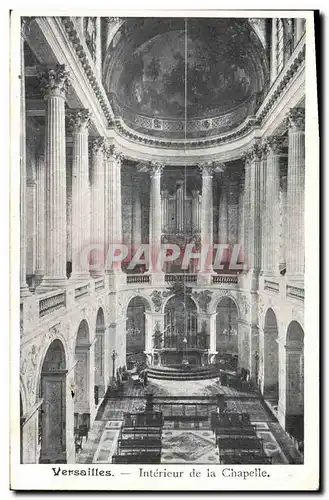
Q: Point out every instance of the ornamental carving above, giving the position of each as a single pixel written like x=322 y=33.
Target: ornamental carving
x=79 y=120
x=158 y=298
x=203 y=299
x=155 y=169
x=254 y=153
x=244 y=304
x=296 y=119
x=97 y=145
x=54 y=331
x=209 y=168
x=112 y=153
x=55 y=81
x=274 y=145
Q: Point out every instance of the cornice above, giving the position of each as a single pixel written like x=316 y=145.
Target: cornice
x=88 y=66
x=122 y=129
x=292 y=67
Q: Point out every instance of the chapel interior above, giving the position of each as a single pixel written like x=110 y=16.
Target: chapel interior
x=150 y=133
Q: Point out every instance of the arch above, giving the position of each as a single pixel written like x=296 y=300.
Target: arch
x=295 y=380
x=145 y=298
x=84 y=373
x=181 y=321
x=100 y=318
x=227 y=327
x=136 y=329
x=269 y=358
x=295 y=333
x=218 y=298
x=83 y=333
x=52 y=412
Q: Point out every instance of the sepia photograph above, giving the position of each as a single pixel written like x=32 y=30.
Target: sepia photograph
x=162 y=247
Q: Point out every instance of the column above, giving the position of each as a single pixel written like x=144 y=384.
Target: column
x=165 y=210
x=97 y=182
x=207 y=172
x=55 y=82
x=254 y=229
x=136 y=215
x=113 y=210
x=263 y=221
x=155 y=218
x=100 y=378
x=180 y=206
x=40 y=233
x=24 y=289
x=272 y=204
x=246 y=214
x=283 y=222
x=195 y=211
x=223 y=214
x=241 y=216
x=79 y=123
x=118 y=199
x=296 y=193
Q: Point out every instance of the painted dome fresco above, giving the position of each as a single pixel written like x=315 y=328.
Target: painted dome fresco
x=185 y=74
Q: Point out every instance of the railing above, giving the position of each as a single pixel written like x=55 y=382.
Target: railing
x=193 y=341
x=81 y=291
x=181 y=278
x=138 y=278
x=51 y=304
x=224 y=279
x=295 y=292
x=272 y=286
x=99 y=285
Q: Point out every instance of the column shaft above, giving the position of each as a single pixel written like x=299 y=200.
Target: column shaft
x=223 y=215
x=296 y=193
x=24 y=290
x=254 y=226
x=136 y=215
x=272 y=202
x=56 y=83
x=97 y=206
x=155 y=218
x=206 y=219
x=40 y=233
x=195 y=211
x=79 y=122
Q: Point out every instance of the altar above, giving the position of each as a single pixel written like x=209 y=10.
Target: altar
x=180 y=358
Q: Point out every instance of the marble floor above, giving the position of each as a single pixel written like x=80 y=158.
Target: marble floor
x=184 y=442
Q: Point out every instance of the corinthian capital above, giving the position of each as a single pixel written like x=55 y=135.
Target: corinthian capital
x=274 y=144
x=97 y=145
x=296 y=119
x=209 y=168
x=254 y=153
x=55 y=81
x=112 y=153
x=155 y=168
x=79 y=120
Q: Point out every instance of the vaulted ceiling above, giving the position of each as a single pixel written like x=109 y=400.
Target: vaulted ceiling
x=163 y=73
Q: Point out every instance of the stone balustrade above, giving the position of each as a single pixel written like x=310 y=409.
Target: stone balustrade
x=222 y=278
x=138 y=278
x=181 y=278
x=81 y=291
x=53 y=302
x=271 y=286
x=295 y=292
x=99 y=284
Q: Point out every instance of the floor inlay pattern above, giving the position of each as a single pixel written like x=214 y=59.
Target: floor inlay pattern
x=188 y=446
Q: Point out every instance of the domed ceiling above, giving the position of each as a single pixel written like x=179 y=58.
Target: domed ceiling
x=167 y=75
